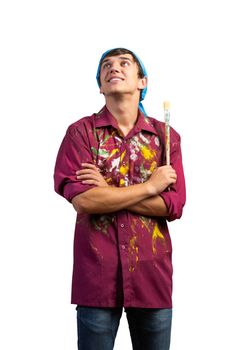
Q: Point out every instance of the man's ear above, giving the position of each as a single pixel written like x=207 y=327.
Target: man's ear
x=143 y=83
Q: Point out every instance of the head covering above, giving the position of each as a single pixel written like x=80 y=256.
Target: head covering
x=143 y=91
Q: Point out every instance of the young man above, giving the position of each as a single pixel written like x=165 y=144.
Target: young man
x=111 y=167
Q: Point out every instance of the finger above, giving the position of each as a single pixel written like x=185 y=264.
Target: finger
x=173 y=173
x=88 y=176
x=173 y=176
x=86 y=171
x=89 y=172
x=173 y=179
x=90 y=167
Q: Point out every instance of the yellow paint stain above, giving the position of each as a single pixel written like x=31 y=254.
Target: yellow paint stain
x=114 y=151
x=137 y=255
x=153 y=166
x=122 y=155
x=132 y=242
x=156 y=234
x=124 y=169
x=147 y=153
x=133 y=253
x=121 y=183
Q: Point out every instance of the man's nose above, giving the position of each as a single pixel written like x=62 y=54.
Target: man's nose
x=114 y=68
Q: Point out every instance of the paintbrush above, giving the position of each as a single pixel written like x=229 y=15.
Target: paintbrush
x=166 y=106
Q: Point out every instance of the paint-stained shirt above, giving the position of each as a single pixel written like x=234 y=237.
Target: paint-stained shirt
x=121 y=258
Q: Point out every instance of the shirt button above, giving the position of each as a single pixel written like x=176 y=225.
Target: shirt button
x=123 y=246
x=122 y=225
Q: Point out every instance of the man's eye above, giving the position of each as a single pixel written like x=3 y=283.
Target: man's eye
x=106 y=65
x=125 y=63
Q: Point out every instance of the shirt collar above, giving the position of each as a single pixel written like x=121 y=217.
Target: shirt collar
x=105 y=118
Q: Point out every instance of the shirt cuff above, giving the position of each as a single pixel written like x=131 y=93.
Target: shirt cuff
x=173 y=204
x=72 y=189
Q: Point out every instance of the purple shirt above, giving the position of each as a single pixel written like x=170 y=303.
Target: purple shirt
x=121 y=258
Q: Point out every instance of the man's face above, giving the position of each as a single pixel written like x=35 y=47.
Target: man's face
x=119 y=75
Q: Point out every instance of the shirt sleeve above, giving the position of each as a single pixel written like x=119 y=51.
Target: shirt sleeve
x=175 y=197
x=74 y=150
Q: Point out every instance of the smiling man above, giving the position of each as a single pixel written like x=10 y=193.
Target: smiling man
x=111 y=167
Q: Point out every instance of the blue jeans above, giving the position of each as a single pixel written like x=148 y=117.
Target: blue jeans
x=150 y=329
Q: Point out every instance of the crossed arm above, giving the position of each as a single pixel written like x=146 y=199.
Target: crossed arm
x=142 y=198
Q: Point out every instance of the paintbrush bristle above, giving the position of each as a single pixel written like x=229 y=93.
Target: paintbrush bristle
x=166 y=105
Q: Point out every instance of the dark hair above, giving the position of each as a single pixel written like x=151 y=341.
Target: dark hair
x=121 y=51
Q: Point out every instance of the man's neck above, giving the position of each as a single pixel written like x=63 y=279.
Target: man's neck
x=125 y=112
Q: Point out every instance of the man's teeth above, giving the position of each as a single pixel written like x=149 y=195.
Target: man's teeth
x=115 y=79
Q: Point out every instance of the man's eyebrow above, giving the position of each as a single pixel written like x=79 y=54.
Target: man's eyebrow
x=120 y=57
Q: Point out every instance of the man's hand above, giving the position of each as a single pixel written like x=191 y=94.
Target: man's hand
x=161 y=178
x=90 y=175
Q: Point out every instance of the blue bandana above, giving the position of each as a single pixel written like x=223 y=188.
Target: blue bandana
x=143 y=92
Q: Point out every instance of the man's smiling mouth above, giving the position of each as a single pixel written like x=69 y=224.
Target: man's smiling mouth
x=114 y=79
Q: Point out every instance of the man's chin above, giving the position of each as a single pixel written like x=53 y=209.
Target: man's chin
x=116 y=94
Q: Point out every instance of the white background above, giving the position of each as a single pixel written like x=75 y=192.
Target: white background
x=193 y=51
